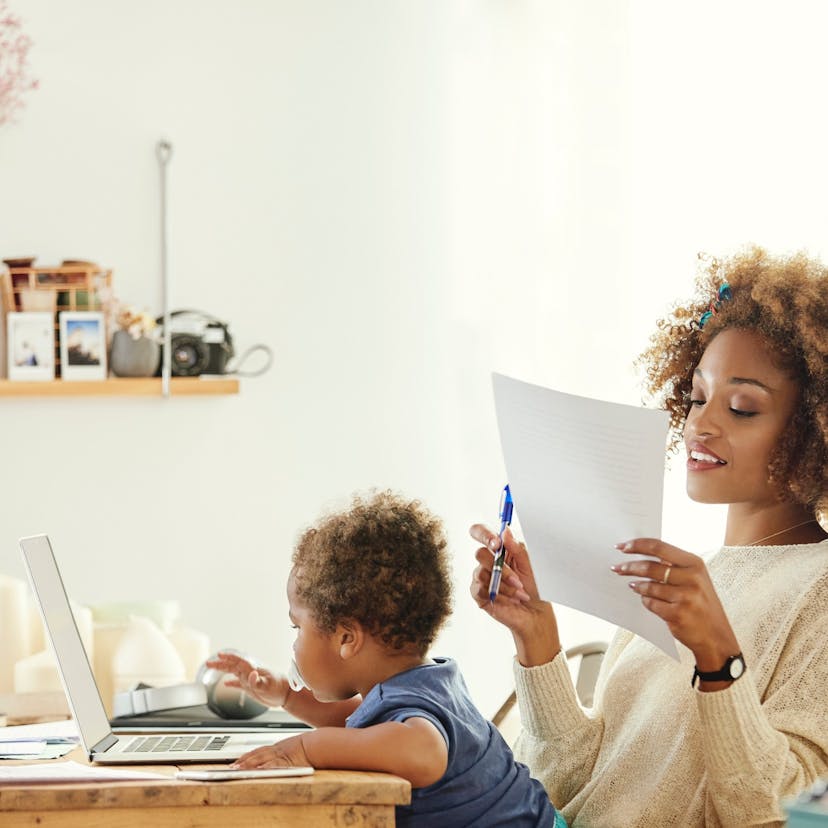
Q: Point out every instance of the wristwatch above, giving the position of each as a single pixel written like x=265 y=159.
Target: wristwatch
x=732 y=669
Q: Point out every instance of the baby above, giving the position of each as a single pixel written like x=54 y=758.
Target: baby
x=368 y=592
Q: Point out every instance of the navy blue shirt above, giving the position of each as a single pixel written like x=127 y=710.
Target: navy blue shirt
x=483 y=784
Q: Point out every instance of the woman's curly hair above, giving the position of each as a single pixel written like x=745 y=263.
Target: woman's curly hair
x=382 y=563
x=785 y=301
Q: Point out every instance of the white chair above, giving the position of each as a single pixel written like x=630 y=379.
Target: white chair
x=507 y=717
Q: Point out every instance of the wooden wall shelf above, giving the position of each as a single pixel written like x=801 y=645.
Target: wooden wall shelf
x=79 y=286
x=120 y=387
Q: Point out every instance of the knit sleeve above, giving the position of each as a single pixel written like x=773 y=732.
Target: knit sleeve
x=760 y=750
x=558 y=741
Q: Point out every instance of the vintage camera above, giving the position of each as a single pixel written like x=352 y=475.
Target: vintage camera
x=199 y=344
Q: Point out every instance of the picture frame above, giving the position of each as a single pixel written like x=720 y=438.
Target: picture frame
x=30 y=345
x=82 y=345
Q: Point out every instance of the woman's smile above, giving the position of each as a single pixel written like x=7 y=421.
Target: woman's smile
x=700 y=458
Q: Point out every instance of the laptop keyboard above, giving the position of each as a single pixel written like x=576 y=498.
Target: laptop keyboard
x=165 y=744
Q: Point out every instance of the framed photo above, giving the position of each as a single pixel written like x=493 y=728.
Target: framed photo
x=82 y=345
x=31 y=345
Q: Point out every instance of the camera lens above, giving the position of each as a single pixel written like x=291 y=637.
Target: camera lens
x=189 y=356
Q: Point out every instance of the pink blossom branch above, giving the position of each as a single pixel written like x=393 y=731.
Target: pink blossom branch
x=15 y=81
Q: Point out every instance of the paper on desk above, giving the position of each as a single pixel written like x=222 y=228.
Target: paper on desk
x=54 y=750
x=584 y=475
x=71 y=772
x=23 y=748
x=37 y=750
x=45 y=740
x=62 y=729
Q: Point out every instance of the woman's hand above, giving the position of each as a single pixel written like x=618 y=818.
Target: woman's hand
x=266 y=687
x=289 y=753
x=678 y=589
x=518 y=605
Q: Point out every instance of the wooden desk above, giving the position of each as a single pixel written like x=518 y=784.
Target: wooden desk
x=333 y=799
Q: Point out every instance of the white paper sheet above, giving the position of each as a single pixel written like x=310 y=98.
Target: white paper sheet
x=584 y=475
x=70 y=772
x=62 y=729
x=44 y=740
x=21 y=749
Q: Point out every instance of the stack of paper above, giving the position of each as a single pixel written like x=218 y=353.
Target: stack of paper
x=47 y=740
x=22 y=749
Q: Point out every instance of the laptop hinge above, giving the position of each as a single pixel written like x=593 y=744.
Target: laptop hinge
x=104 y=745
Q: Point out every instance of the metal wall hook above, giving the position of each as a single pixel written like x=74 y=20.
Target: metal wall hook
x=163 y=152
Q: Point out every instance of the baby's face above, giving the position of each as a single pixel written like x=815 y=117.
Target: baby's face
x=315 y=652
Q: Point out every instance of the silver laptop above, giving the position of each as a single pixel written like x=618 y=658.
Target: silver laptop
x=100 y=743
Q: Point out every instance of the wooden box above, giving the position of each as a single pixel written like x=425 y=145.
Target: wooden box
x=70 y=286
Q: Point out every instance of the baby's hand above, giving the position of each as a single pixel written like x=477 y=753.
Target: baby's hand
x=266 y=687
x=289 y=753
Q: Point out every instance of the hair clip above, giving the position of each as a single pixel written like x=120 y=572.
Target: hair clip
x=722 y=295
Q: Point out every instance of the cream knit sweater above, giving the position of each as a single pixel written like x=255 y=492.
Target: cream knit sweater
x=655 y=752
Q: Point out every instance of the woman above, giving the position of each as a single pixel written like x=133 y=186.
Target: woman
x=740 y=722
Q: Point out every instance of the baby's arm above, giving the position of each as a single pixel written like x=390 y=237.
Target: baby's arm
x=306 y=708
x=274 y=690
x=414 y=749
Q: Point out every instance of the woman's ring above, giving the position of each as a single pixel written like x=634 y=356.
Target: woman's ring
x=666 y=574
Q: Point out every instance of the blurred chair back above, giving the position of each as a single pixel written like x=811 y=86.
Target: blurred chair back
x=507 y=717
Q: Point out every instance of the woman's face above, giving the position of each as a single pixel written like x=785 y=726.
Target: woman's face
x=315 y=652
x=740 y=405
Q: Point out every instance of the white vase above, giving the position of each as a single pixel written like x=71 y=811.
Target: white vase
x=145 y=654
x=107 y=637
x=14 y=628
x=193 y=646
x=37 y=673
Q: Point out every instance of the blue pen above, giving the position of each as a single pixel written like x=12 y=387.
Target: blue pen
x=506 y=508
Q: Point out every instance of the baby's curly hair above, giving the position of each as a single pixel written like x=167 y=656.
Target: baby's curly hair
x=784 y=299
x=382 y=563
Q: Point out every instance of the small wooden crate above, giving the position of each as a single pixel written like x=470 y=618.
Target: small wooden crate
x=71 y=286
x=74 y=286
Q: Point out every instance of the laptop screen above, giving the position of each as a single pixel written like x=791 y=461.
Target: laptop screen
x=78 y=680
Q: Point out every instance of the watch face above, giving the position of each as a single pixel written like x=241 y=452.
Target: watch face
x=737 y=667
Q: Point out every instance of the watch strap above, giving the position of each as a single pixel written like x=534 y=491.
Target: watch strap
x=724 y=673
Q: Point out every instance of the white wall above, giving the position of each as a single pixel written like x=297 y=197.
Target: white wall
x=398 y=197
